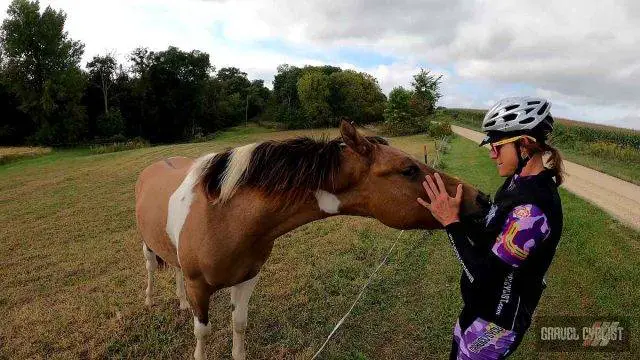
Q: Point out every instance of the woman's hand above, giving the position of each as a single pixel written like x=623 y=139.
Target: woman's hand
x=443 y=207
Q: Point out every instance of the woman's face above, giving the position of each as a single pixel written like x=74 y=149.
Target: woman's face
x=505 y=157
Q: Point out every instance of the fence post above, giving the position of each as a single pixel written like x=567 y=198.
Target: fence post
x=425 y=153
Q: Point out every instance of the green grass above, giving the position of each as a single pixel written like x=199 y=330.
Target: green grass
x=608 y=149
x=72 y=275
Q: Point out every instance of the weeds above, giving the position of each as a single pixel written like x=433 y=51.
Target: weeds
x=136 y=143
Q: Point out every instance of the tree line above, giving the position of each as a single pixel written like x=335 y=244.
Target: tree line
x=47 y=97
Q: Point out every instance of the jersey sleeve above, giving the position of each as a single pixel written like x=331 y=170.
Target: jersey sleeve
x=525 y=228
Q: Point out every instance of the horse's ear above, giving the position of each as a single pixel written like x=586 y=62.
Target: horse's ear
x=353 y=139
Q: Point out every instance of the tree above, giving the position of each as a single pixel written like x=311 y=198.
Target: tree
x=169 y=90
x=426 y=91
x=285 y=95
x=42 y=69
x=102 y=71
x=357 y=96
x=400 y=117
x=313 y=92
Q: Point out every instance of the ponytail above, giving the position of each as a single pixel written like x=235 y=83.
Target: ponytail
x=553 y=163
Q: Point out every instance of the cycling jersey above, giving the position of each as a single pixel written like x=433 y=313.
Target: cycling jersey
x=503 y=266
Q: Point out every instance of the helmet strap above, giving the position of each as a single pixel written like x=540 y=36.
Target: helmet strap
x=522 y=161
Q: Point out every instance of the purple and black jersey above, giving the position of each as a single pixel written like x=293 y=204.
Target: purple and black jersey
x=503 y=269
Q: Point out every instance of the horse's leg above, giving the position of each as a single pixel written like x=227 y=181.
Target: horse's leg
x=151 y=263
x=240 y=295
x=180 y=292
x=198 y=293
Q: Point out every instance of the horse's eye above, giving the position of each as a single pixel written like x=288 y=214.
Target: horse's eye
x=411 y=171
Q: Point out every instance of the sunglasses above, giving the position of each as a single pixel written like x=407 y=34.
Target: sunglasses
x=495 y=147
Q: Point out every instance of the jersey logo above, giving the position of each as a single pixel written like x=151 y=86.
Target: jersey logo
x=522 y=212
x=510 y=245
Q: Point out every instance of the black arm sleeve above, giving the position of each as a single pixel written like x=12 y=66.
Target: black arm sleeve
x=477 y=263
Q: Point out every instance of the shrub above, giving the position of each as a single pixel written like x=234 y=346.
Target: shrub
x=400 y=119
x=440 y=129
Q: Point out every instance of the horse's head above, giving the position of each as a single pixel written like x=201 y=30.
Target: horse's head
x=384 y=182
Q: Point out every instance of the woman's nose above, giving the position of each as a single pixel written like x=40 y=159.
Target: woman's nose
x=493 y=154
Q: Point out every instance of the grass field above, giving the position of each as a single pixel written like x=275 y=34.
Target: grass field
x=72 y=275
x=612 y=150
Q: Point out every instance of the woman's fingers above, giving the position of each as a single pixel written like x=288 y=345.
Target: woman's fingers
x=459 y=194
x=441 y=187
x=424 y=203
x=427 y=189
x=433 y=186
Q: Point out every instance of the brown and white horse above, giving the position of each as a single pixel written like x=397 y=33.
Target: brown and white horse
x=215 y=218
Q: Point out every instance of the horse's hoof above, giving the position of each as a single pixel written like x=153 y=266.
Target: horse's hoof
x=148 y=302
x=184 y=305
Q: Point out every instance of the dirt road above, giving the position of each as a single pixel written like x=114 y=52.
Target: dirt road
x=617 y=197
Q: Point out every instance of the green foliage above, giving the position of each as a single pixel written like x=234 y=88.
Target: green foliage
x=613 y=151
x=319 y=96
x=313 y=92
x=102 y=73
x=438 y=129
x=410 y=111
x=400 y=117
x=442 y=147
x=356 y=96
x=42 y=69
x=111 y=123
x=426 y=92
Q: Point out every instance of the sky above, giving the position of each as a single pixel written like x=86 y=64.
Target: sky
x=584 y=56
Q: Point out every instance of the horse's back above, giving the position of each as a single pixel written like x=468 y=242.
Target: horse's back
x=155 y=185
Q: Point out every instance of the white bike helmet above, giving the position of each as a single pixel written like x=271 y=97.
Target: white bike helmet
x=517 y=115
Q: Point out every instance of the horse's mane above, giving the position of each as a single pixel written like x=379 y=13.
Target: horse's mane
x=290 y=168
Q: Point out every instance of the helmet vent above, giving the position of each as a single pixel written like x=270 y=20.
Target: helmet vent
x=494 y=115
x=527 y=120
x=490 y=123
x=529 y=110
x=511 y=107
x=533 y=102
x=510 y=117
x=543 y=108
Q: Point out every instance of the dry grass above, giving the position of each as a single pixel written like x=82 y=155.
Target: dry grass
x=72 y=275
x=11 y=153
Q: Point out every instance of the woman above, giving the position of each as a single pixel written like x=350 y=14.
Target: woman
x=505 y=262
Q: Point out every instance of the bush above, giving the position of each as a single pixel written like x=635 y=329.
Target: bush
x=440 y=129
x=400 y=119
x=443 y=146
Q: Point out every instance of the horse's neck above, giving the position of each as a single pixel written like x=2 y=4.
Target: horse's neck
x=290 y=218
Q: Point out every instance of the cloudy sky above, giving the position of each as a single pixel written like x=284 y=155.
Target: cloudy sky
x=582 y=55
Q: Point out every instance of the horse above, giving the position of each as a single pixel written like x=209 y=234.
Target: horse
x=215 y=218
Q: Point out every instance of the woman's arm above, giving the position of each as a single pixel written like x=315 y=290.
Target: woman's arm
x=525 y=227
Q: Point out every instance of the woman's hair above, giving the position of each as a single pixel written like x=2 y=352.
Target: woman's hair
x=554 y=162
